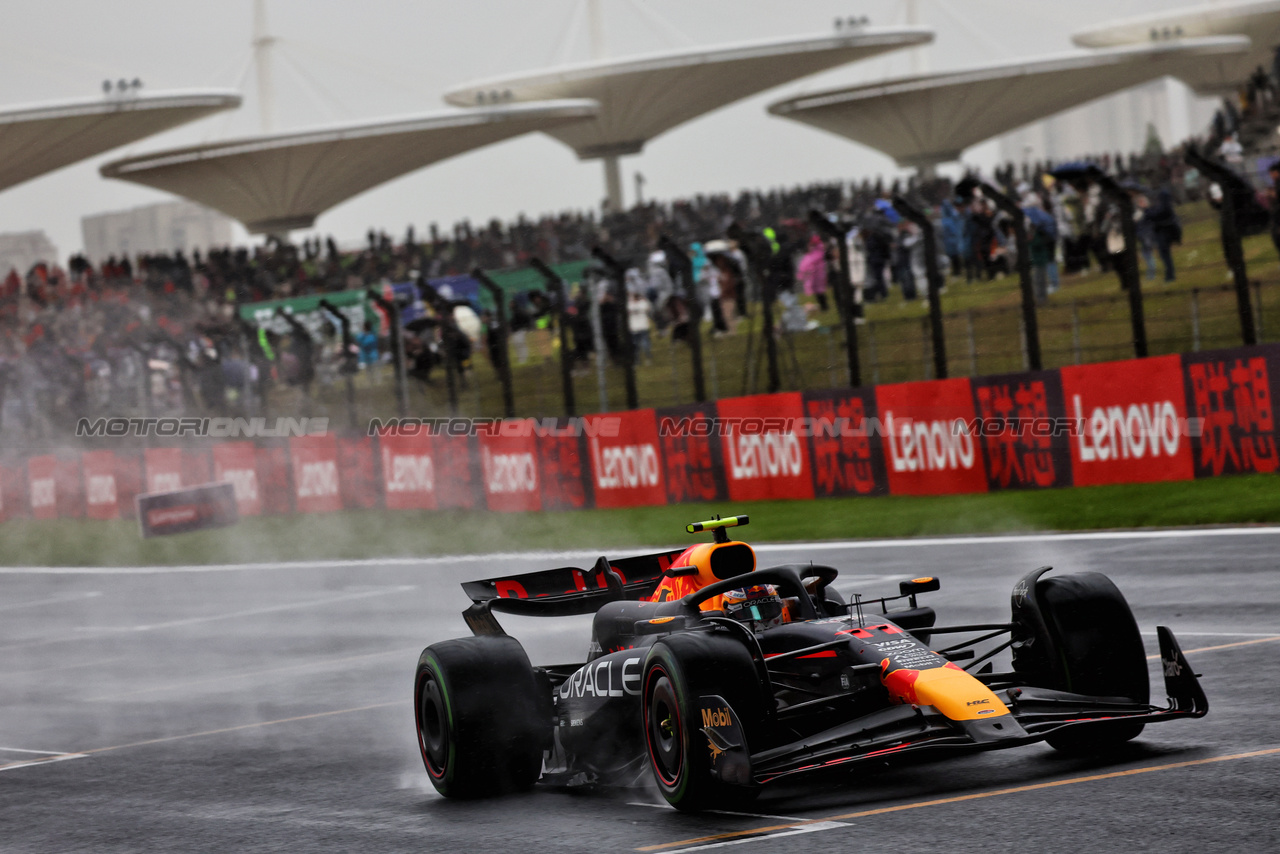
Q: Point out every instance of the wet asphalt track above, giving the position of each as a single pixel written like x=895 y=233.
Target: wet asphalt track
x=268 y=709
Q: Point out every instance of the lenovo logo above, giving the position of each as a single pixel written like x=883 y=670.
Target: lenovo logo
x=318 y=479
x=624 y=466
x=1121 y=433
x=243 y=481
x=43 y=492
x=507 y=473
x=929 y=445
x=166 y=481
x=411 y=473
x=101 y=489
x=757 y=455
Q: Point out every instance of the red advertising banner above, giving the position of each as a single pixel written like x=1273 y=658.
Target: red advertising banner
x=626 y=462
x=458 y=470
x=764 y=456
x=316 y=486
x=408 y=471
x=693 y=467
x=101 y=497
x=926 y=435
x=273 y=480
x=129 y=482
x=1026 y=436
x=1230 y=392
x=358 y=472
x=847 y=457
x=70 y=488
x=197 y=467
x=1131 y=419
x=563 y=470
x=236 y=463
x=164 y=469
x=509 y=467
x=42 y=486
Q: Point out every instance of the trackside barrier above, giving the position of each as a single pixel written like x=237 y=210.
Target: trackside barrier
x=1163 y=418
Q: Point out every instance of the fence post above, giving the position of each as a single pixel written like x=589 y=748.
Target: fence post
x=871 y=351
x=504 y=334
x=397 y=349
x=557 y=286
x=1233 y=189
x=1022 y=341
x=973 y=343
x=1195 y=320
x=1075 y=331
x=1130 y=277
x=1030 y=326
x=844 y=293
x=925 y=351
x=619 y=274
x=758 y=254
x=1257 y=291
x=682 y=272
x=934 y=278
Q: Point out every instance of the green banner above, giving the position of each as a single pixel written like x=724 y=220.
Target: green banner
x=512 y=281
x=306 y=310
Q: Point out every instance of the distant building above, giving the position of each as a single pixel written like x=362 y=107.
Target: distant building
x=23 y=249
x=1115 y=123
x=162 y=227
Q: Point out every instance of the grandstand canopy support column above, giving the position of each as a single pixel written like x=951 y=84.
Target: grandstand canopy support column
x=613 y=183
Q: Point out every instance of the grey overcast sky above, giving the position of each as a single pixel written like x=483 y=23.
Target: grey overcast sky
x=342 y=60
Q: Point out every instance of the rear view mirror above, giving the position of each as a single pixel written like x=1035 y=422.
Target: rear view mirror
x=928 y=584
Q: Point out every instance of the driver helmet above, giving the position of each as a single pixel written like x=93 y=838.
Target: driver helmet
x=759 y=606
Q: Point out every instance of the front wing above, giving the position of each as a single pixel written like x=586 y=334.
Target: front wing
x=1036 y=713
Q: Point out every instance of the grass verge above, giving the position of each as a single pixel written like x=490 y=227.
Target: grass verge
x=366 y=534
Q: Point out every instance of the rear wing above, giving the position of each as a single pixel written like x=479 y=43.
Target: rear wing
x=564 y=591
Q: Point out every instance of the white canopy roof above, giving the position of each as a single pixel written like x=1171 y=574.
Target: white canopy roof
x=282 y=181
x=640 y=97
x=931 y=119
x=41 y=138
x=1260 y=21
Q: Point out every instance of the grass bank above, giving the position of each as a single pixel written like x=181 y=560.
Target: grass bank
x=365 y=534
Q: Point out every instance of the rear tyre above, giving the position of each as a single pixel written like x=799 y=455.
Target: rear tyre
x=482 y=724
x=1095 y=643
x=679 y=671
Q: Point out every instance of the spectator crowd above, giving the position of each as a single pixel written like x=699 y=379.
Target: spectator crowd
x=161 y=333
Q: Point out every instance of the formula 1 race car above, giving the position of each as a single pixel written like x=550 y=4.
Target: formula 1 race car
x=718 y=678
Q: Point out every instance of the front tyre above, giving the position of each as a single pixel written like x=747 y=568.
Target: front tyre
x=481 y=722
x=701 y=703
x=1091 y=646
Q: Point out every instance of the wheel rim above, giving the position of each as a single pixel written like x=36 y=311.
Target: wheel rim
x=433 y=731
x=663 y=730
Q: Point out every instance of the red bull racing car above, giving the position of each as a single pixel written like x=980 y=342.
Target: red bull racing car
x=716 y=678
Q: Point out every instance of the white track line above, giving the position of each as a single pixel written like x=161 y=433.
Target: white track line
x=52 y=600
x=252 y=612
x=665 y=806
x=808 y=828
x=907 y=542
x=47 y=756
